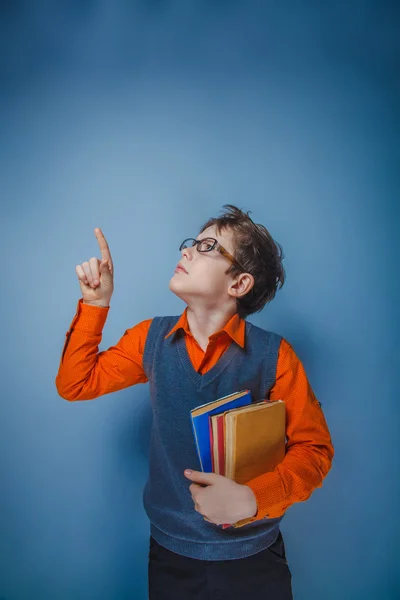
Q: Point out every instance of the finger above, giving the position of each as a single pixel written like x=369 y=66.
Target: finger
x=104 y=249
x=81 y=274
x=88 y=273
x=195 y=486
x=94 y=267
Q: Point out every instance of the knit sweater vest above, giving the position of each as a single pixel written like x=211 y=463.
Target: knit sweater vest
x=176 y=388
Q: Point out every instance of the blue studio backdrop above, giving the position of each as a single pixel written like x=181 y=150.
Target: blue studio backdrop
x=144 y=119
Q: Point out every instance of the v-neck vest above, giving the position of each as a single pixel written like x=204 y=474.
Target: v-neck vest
x=175 y=389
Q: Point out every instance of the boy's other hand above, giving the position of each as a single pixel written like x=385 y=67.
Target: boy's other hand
x=222 y=500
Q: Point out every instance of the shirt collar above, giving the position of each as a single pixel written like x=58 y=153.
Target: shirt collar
x=235 y=328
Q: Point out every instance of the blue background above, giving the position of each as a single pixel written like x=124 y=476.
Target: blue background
x=144 y=118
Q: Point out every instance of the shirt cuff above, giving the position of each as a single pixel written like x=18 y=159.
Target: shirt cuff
x=89 y=318
x=270 y=496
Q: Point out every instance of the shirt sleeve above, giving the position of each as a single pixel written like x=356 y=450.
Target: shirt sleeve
x=84 y=373
x=309 y=449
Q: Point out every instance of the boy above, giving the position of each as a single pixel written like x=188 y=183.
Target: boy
x=230 y=271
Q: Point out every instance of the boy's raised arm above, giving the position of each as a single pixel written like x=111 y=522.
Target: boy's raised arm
x=84 y=373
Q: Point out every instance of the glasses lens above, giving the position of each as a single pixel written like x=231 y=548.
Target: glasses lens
x=187 y=243
x=206 y=245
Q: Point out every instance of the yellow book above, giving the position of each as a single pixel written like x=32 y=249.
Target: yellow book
x=255 y=441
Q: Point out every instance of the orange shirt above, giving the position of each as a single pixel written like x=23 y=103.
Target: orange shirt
x=84 y=374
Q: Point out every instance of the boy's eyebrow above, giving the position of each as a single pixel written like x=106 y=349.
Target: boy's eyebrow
x=214 y=238
x=208 y=236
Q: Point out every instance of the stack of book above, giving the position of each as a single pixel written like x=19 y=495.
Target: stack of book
x=239 y=438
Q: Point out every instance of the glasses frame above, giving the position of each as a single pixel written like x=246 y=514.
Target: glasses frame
x=216 y=246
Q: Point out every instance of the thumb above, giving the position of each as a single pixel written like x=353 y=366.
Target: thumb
x=200 y=477
x=105 y=268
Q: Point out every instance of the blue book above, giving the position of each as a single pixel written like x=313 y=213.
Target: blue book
x=200 y=417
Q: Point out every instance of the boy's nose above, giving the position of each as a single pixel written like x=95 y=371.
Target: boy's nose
x=186 y=253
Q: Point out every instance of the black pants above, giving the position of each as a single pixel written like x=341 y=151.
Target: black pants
x=262 y=576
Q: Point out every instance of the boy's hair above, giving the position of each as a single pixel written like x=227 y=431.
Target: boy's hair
x=259 y=254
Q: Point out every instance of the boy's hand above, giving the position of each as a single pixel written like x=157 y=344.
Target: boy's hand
x=223 y=500
x=95 y=276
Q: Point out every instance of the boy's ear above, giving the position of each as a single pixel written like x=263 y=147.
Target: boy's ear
x=241 y=285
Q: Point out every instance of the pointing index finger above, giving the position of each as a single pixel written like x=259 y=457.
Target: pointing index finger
x=104 y=249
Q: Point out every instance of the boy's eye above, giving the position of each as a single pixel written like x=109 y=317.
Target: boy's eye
x=206 y=245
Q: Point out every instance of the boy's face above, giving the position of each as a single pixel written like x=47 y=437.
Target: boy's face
x=205 y=284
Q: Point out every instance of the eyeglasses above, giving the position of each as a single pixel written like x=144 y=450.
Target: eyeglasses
x=208 y=244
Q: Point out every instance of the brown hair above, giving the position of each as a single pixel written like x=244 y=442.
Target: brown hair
x=259 y=254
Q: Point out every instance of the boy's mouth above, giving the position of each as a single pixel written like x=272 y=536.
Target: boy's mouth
x=180 y=268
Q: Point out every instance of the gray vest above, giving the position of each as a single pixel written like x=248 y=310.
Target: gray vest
x=175 y=389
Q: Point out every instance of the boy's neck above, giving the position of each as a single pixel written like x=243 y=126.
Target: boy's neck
x=203 y=323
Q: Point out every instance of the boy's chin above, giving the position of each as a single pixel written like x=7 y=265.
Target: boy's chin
x=174 y=286
x=177 y=289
